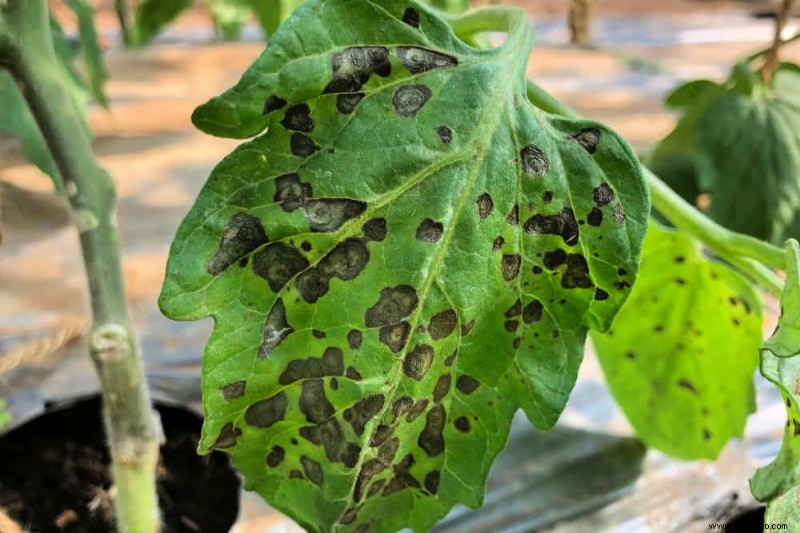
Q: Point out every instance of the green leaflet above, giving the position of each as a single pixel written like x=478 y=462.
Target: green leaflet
x=230 y=16
x=684 y=381
x=152 y=16
x=406 y=253
x=778 y=482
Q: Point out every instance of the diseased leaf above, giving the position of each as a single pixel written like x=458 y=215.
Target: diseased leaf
x=749 y=158
x=778 y=482
x=90 y=49
x=152 y=16
x=785 y=509
x=407 y=253
x=683 y=380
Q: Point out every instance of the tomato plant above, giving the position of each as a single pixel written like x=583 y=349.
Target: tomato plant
x=415 y=241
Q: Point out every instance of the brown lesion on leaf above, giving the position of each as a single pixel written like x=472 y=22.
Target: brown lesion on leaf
x=442 y=324
x=577 y=274
x=562 y=223
x=346 y=103
x=442 y=388
x=313 y=470
x=408 y=100
x=411 y=17
x=233 y=390
x=276 y=329
x=498 y=243
x=416 y=409
x=445 y=134
x=290 y=192
x=430 y=231
x=346 y=261
x=402 y=477
x=278 y=263
x=275 y=456
x=418 y=361
x=363 y=411
x=395 y=337
x=227 y=437
x=587 y=138
x=512 y=218
x=466 y=328
x=326 y=215
x=375 y=229
x=354 y=339
x=330 y=364
x=302 y=145
x=514 y=310
x=485 y=205
x=353 y=66
x=687 y=385
x=467 y=384
x=532 y=312
x=273 y=103
x=462 y=424
x=264 y=413
x=418 y=60
x=431 y=481
x=243 y=234
x=313 y=403
x=510 y=265
x=534 y=161
x=431 y=440
x=298 y=118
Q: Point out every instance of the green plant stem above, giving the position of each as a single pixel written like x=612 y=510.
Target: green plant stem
x=771 y=61
x=132 y=429
x=124 y=17
x=764 y=51
x=724 y=242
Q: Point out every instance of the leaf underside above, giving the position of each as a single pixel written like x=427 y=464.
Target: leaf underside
x=406 y=253
x=779 y=482
x=683 y=381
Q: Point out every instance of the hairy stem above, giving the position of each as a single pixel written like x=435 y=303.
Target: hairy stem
x=724 y=242
x=771 y=61
x=133 y=432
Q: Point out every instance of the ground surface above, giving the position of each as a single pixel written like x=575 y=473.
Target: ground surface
x=160 y=162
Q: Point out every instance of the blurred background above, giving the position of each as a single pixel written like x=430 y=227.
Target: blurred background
x=612 y=60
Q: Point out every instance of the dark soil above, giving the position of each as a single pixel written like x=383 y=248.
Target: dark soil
x=54 y=475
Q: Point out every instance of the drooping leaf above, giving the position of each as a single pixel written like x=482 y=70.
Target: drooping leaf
x=681 y=354
x=407 y=253
x=749 y=158
x=152 y=16
x=779 y=481
x=90 y=49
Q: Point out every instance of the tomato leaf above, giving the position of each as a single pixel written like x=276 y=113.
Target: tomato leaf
x=779 y=482
x=684 y=382
x=406 y=253
x=152 y=16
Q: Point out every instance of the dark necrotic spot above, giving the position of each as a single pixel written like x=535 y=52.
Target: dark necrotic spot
x=346 y=261
x=432 y=439
x=264 y=413
x=243 y=234
x=577 y=273
x=318 y=333
x=346 y=103
x=401 y=406
x=313 y=470
x=517 y=342
x=334 y=384
x=688 y=385
x=368 y=470
x=298 y=118
x=394 y=304
x=351 y=455
x=618 y=213
x=462 y=424
x=349 y=516
x=600 y=294
x=498 y=244
x=276 y=328
x=278 y=263
x=273 y=103
x=328 y=214
x=562 y=223
x=534 y=161
x=621 y=285
x=445 y=134
x=375 y=488
x=418 y=361
x=706 y=434
x=352 y=374
x=537 y=269
x=411 y=17
x=587 y=138
x=547 y=197
x=442 y=324
x=595 y=217
x=442 y=388
x=417 y=409
x=603 y=195
x=233 y=391
x=514 y=310
x=418 y=60
x=409 y=99
x=311 y=285
x=379 y=436
x=513 y=216
x=330 y=364
x=375 y=229
x=511 y=325
x=354 y=338
x=275 y=456
x=313 y=402
x=291 y=192
x=330 y=435
x=363 y=411
x=485 y=205
x=296 y=474
x=302 y=145
x=466 y=328
x=432 y=481
x=510 y=265
x=227 y=437
x=306 y=246
x=554 y=259
x=430 y=231
x=467 y=384
x=388 y=450
x=353 y=66
x=396 y=336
